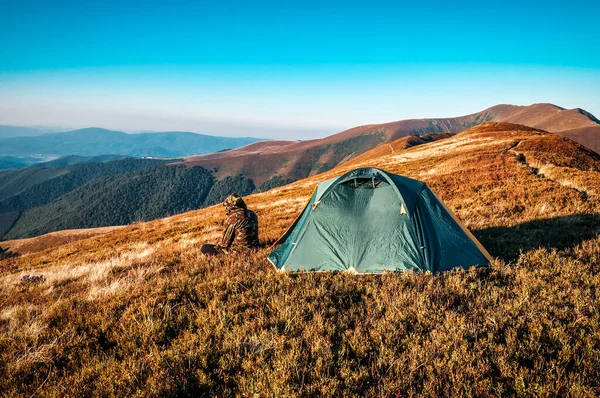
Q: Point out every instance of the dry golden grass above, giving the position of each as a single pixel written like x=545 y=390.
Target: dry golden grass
x=53 y=239
x=139 y=311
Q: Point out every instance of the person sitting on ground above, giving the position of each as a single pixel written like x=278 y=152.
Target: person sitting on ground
x=241 y=228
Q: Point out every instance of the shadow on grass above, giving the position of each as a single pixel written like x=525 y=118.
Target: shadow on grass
x=5 y=253
x=558 y=233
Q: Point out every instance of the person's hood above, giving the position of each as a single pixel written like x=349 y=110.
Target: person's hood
x=234 y=202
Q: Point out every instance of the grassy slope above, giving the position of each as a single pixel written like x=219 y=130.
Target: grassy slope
x=139 y=310
x=52 y=239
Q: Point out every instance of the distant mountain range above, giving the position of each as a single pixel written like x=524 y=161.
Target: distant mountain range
x=97 y=141
x=299 y=159
x=27 y=131
x=11 y=162
x=73 y=159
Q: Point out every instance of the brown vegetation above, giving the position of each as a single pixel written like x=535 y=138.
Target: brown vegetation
x=588 y=136
x=397 y=145
x=299 y=159
x=53 y=239
x=139 y=311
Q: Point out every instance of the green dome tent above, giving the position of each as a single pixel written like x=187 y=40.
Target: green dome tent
x=369 y=221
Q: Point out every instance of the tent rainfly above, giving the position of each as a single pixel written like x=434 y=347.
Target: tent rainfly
x=371 y=221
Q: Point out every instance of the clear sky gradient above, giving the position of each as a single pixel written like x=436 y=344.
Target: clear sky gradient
x=288 y=69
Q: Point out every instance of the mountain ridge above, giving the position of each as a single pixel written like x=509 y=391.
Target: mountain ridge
x=300 y=159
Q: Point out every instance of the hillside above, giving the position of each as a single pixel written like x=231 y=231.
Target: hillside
x=25 y=189
x=30 y=187
x=84 y=192
x=299 y=159
x=103 y=194
x=144 y=195
x=577 y=124
x=397 y=145
x=97 y=141
x=139 y=311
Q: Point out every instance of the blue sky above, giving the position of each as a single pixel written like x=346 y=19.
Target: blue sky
x=288 y=69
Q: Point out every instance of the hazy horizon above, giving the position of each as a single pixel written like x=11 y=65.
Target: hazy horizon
x=218 y=128
x=287 y=71
x=260 y=132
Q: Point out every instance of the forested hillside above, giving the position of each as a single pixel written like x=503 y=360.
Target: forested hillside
x=40 y=200
x=46 y=185
x=117 y=200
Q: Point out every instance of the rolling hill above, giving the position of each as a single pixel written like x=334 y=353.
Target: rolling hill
x=31 y=187
x=97 y=141
x=147 y=194
x=138 y=310
x=577 y=124
x=35 y=201
x=299 y=159
x=26 y=189
x=51 y=197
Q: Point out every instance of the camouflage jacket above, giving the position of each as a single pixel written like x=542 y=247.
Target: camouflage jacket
x=241 y=230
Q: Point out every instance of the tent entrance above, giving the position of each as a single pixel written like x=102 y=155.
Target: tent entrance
x=364 y=183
